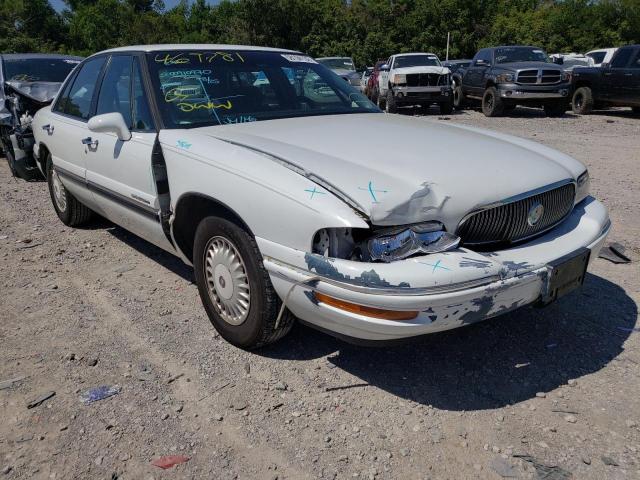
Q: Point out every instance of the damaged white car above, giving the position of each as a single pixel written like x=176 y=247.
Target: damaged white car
x=28 y=82
x=294 y=196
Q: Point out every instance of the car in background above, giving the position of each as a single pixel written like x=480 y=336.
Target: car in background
x=455 y=65
x=364 y=78
x=612 y=84
x=28 y=82
x=343 y=67
x=601 y=55
x=371 y=90
x=569 y=61
x=410 y=79
x=290 y=204
x=500 y=78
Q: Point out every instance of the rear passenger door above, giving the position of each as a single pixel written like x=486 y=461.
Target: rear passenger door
x=119 y=173
x=474 y=78
x=632 y=76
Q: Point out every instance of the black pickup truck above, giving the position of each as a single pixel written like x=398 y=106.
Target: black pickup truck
x=503 y=77
x=613 y=84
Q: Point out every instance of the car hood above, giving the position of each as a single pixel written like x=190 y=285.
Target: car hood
x=528 y=65
x=408 y=70
x=399 y=170
x=41 y=92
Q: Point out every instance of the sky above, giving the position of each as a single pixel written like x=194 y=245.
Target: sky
x=60 y=5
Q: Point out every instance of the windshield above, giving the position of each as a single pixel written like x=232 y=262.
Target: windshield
x=416 y=61
x=521 y=54
x=344 y=63
x=196 y=88
x=38 y=69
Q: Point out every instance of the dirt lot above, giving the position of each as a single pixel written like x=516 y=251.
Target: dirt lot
x=98 y=306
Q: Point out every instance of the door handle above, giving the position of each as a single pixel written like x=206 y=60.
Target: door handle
x=607 y=74
x=91 y=143
x=48 y=128
x=628 y=74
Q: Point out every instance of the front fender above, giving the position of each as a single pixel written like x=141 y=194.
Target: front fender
x=275 y=202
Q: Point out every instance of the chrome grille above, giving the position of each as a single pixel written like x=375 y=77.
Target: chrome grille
x=509 y=222
x=426 y=79
x=539 y=77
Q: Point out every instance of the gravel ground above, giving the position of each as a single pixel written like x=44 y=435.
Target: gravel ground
x=537 y=392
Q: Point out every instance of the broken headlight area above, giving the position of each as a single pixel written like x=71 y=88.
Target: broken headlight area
x=384 y=244
x=582 y=186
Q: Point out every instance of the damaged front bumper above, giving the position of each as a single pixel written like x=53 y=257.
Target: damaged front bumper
x=448 y=290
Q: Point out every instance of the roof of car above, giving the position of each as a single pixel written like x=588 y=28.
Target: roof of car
x=413 y=53
x=193 y=46
x=24 y=56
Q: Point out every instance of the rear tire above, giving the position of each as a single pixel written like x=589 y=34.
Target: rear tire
x=382 y=104
x=492 y=104
x=234 y=286
x=391 y=106
x=69 y=210
x=582 y=101
x=557 y=109
x=635 y=110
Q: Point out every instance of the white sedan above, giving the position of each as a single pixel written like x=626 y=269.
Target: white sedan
x=293 y=196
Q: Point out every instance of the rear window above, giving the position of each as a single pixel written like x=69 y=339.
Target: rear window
x=38 y=69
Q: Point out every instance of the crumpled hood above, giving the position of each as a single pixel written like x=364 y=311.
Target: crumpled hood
x=41 y=92
x=408 y=70
x=402 y=170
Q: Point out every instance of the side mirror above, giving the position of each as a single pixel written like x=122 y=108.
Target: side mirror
x=110 y=123
x=481 y=63
x=605 y=64
x=558 y=60
x=384 y=68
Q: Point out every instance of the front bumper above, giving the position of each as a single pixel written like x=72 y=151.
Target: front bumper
x=450 y=289
x=413 y=95
x=532 y=92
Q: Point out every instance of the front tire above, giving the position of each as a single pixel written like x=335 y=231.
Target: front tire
x=391 y=106
x=458 y=97
x=582 y=101
x=234 y=286
x=69 y=210
x=492 y=104
x=382 y=104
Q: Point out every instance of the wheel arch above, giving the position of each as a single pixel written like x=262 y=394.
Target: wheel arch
x=582 y=83
x=191 y=208
x=43 y=151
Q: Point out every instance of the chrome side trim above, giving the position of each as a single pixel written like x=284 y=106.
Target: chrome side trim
x=397 y=291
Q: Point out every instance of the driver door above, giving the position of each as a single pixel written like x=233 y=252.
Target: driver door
x=119 y=173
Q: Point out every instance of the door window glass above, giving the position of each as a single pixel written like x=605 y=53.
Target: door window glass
x=115 y=92
x=77 y=101
x=141 y=112
x=622 y=58
x=636 y=61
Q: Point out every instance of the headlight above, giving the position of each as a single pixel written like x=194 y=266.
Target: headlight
x=399 y=243
x=582 y=187
x=566 y=77
x=504 y=78
x=399 y=79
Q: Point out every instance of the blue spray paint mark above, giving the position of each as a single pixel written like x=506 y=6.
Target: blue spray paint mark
x=435 y=266
x=183 y=144
x=372 y=191
x=314 y=191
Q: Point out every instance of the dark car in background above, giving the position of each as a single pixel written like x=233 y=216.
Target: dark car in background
x=343 y=67
x=501 y=78
x=612 y=84
x=28 y=82
x=455 y=65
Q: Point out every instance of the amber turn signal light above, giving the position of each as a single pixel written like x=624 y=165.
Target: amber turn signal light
x=366 y=311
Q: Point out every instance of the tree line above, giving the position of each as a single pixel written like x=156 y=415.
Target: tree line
x=367 y=30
